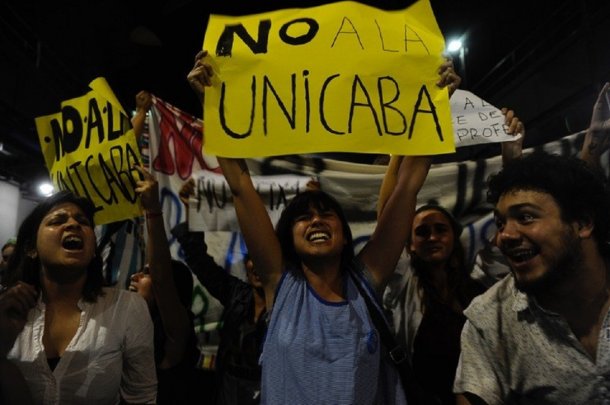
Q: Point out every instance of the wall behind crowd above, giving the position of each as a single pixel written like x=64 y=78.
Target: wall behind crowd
x=14 y=210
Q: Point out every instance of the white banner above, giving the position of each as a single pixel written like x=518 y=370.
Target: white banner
x=211 y=208
x=175 y=152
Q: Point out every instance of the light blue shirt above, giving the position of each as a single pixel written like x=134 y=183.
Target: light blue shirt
x=319 y=352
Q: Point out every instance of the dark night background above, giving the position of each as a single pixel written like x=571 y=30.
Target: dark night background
x=546 y=59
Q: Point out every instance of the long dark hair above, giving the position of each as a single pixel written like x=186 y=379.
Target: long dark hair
x=23 y=267
x=461 y=285
x=301 y=204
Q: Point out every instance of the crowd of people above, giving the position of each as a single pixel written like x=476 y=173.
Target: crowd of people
x=310 y=323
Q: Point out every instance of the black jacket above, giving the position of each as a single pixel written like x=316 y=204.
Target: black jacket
x=236 y=296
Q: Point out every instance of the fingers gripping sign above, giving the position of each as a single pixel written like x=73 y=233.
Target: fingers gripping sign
x=186 y=191
x=448 y=77
x=597 y=136
x=201 y=74
x=514 y=126
x=600 y=122
x=148 y=189
x=143 y=101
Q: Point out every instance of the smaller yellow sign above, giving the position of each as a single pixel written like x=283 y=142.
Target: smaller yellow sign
x=90 y=149
x=340 y=77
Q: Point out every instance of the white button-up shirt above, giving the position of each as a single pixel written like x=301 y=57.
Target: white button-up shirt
x=111 y=354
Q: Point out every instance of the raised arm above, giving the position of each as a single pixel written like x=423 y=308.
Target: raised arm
x=402 y=181
x=256 y=227
x=254 y=221
x=597 y=137
x=200 y=75
x=175 y=319
x=389 y=182
x=396 y=218
x=512 y=149
x=447 y=78
x=213 y=277
x=143 y=103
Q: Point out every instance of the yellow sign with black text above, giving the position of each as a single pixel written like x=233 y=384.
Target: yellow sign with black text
x=90 y=149
x=339 y=77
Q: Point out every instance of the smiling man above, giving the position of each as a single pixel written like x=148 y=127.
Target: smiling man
x=542 y=334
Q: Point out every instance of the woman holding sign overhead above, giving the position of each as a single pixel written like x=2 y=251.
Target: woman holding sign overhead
x=73 y=340
x=321 y=345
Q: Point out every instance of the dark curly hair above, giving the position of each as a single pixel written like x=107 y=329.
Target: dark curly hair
x=299 y=205
x=23 y=267
x=580 y=192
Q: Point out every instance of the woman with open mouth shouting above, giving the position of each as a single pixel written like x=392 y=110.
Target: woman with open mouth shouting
x=73 y=340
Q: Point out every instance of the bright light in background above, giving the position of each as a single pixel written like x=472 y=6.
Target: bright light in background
x=457 y=46
x=454 y=45
x=45 y=189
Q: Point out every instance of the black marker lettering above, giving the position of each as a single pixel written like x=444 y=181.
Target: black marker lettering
x=291 y=117
x=223 y=120
x=388 y=105
x=416 y=111
x=322 y=95
x=355 y=84
x=352 y=32
x=301 y=39
x=224 y=46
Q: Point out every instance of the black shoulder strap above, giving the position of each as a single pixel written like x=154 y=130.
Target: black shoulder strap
x=397 y=353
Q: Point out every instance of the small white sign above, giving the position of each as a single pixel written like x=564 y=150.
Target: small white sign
x=475 y=121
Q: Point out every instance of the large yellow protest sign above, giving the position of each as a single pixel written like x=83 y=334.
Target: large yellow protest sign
x=339 y=77
x=90 y=149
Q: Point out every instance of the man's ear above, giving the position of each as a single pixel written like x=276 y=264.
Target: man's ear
x=585 y=227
